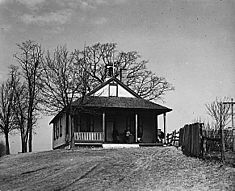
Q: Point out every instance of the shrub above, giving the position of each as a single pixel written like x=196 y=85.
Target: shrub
x=2 y=149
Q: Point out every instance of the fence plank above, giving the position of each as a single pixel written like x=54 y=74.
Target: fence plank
x=186 y=142
x=197 y=144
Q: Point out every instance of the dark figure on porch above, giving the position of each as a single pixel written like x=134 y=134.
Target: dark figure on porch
x=129 y=138
x=140 y=135
x=115 y=136
x=160 y=136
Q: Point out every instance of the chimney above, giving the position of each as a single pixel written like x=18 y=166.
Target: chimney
x=123 y=75
x=109 y=71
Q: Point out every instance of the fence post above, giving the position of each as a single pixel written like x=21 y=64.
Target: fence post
x=173 y=137
x=183 y=140
x=203 y=141
x=222 y=136
x=167 y=138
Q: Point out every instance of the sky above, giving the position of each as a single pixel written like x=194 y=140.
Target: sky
x=189 y=42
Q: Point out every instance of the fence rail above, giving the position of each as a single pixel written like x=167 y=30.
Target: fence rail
x=212 y=136
x=89 y=136
x=173 y=138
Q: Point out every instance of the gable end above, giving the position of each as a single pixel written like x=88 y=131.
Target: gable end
x=112 y=81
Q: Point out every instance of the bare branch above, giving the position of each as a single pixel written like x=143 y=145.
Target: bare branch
x=219 y=111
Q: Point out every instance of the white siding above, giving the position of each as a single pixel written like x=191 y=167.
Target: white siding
x=104 y=92
x=61 y=139
x=123 y=92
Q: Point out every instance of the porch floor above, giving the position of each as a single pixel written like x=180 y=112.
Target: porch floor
x=118 y=145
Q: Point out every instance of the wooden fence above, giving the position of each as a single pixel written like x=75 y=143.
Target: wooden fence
x=196 y=141
x=213 y=139
x=190 y=139
x=173 y=138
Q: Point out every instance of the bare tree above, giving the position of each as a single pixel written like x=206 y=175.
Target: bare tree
x=6 y=109
x=29 y=58
x=219 y=112
x=20 y=109
x=68 y=75
x=143 y=81
x=63 y=80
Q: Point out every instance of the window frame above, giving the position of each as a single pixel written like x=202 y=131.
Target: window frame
x=116 y=92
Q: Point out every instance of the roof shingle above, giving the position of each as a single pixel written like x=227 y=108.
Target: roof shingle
x=120 y=102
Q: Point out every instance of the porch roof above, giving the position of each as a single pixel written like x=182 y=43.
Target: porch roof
x=121 y=102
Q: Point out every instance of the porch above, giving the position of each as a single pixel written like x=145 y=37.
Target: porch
x=96 y=139
x=116 y=127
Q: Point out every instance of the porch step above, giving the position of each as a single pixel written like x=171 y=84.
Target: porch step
x=88 y=144
x=115 y=146
x=150 y=144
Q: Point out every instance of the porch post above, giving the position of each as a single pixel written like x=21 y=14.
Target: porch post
x=72 y=131
x=103 y=125
x=136 y=127
x=164 y=124
x=156 y=127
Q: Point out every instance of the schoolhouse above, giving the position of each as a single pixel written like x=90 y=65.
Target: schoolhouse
x=111 y=113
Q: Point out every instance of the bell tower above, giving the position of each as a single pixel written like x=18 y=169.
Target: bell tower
x=109 y=71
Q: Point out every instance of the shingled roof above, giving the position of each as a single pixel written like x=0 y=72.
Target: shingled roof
x=120 y=102
x=137 y=102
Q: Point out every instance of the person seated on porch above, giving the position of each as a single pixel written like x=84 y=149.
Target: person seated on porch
x=160 y=136
x=140 y=135
x=115 y=136
x=128 y=136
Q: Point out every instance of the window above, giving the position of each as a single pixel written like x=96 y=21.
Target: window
x=77 y=124
x=83 y=123
x=92 y=123
x=60 y=124
x=57 y=130
x=140 y=126
x=54 y=131
x=130 y=123
x=113 y=90
x=87 y=124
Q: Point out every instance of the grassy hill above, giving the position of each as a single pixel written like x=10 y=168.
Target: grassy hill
x=152 y=168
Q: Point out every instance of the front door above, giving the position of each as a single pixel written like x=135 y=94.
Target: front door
x=109 y=131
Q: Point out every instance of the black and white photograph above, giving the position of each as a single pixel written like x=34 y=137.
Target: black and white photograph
x=117 y=95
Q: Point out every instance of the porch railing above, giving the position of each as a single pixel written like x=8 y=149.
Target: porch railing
x=88 y=136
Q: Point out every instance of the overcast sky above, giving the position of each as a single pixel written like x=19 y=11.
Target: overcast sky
x=191 y=43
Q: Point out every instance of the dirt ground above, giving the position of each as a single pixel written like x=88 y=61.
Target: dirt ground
x=149 y=168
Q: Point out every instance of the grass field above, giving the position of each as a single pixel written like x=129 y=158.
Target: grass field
x=149 y=168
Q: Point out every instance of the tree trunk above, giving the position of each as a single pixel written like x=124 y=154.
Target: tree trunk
x=67 y=128
x=30 y=129
x=72 y=132
x=30 y=139
x=7 y=143
x=23 y=146
x=23 y=143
